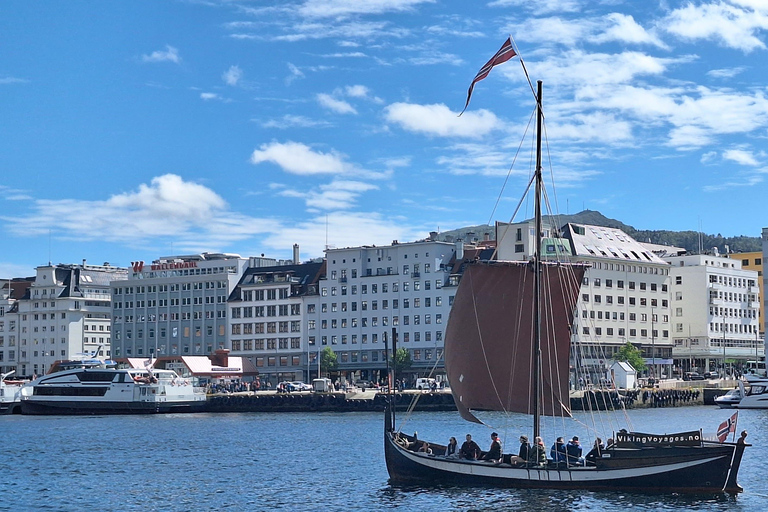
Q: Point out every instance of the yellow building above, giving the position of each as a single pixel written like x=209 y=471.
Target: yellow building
x=754 y=261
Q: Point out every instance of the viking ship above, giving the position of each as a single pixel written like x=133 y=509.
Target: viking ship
x=507 y=348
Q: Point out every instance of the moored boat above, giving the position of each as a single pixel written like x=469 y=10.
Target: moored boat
x=756 y=395
x=100 y=390
x=10 y=393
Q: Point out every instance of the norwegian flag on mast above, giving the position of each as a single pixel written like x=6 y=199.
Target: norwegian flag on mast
x=727 y=427
x=505 y=53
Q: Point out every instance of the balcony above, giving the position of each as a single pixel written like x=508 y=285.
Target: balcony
x=715 y=301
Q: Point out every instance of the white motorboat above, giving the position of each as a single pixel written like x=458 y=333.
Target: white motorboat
x=756 y=395
x=10 y=393
x=102 y=390
x=730 y=399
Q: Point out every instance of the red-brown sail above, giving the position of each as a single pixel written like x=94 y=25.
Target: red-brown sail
x=489 y=338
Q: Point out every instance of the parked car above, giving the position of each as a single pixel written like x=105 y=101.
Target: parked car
x=286 y=386
x=300 y=386
x=711 y=375
x=693 y=376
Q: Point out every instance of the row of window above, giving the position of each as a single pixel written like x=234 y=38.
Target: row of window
x=374 y=338
x=374 y=287
x=353 y=322
x=598 y=331
x=598 y=282
x=163 y=331
x=613 y=315
x=727 y=312
x=620 y=299
x=266 y=327
x=737 y=282
x=173 y=287
x=266 y=344
x=374 y=304
x=734 y=328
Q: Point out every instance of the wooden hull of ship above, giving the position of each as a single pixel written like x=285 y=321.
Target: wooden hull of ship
x=710 y=468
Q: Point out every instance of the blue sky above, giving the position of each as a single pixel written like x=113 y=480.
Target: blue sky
x=132 y=130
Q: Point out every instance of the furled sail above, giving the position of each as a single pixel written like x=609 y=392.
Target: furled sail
x=489 y=337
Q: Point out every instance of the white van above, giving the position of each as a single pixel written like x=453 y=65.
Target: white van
x=424 y=383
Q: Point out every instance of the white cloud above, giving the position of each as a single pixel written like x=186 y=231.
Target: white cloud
x=207 y=96
x=295 y=73
x=338 y=106
x=342 y=8
x=726 y=72
x=8 y=270
x=12 y=80
x=542 y=6
x=741 y=156
x=624 y=28
x=232 y=76
x=170 y=54
x=291 y=121
x=300 y=159
x=726 y=24
x=337 y=195
x=441 y=121
x=345 y=229
x=168 y=208
x=343 y=55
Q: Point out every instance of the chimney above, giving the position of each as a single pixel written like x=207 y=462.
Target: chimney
x=460 y=250
x=220 y=358
x=296 y=254
x=433 y=235
x=487 y=237
x=83 y=262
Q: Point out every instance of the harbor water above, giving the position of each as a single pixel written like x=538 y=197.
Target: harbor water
x=308 y=461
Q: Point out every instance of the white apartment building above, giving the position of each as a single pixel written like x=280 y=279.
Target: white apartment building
x=367 y=291
x=177 y=305
x=273 y=310
x=65 y=313
x=765 y=285
x=11 y=290
x=715 y=305
x=624 y=295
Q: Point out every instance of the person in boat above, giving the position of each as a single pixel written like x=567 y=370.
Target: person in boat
x=573 y=451
x=451 y=449
x=538 y=454
x=557 y=452
x=595 y=453
x=523 y=454
x=494 y=452
x=425 y=448
x=469 y=450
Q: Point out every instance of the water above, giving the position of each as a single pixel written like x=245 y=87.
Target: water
x=294 y=461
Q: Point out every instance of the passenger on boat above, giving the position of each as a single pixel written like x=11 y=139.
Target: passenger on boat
x=524 y=453
x=557 y=452
x=494 y=452
x=425 y=448
x=595 y=453
x=450 y=450
x=538 y=455
x=574 y=451
x=470 y=449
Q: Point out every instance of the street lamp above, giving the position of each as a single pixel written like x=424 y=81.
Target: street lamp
x=653 y=347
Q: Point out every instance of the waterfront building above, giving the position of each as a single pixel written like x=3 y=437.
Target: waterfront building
x=754 y=261
x=715 y=305
x=11 y=290
x=273 y=318
x=624 y=295
x=177 y=305
x=65 y=313
x=368 y=291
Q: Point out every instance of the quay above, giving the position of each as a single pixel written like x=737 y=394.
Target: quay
x=371 y=400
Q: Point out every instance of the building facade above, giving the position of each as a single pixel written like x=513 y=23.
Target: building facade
x=754 y=261
x=368 y=291
x=624 y=295
x=273 y=314
x=177 y=305
x=65 y=313
x=11 y=292
x=715 y=308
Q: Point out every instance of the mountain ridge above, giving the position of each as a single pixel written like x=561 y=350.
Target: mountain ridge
x=688 y=240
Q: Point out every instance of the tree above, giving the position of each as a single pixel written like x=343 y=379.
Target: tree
x=632 y=355
x=328 y=360
x=402 y=360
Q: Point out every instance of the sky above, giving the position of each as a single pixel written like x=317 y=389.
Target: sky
x=135 y=130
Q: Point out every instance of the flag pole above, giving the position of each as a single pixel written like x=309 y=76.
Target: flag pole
x=525 y=70
x=735 y=427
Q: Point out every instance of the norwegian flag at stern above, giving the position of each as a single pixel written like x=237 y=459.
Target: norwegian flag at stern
x=727 y=427
x=505 y=53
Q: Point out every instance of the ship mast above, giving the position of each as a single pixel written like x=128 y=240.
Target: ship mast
x=537 y=274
